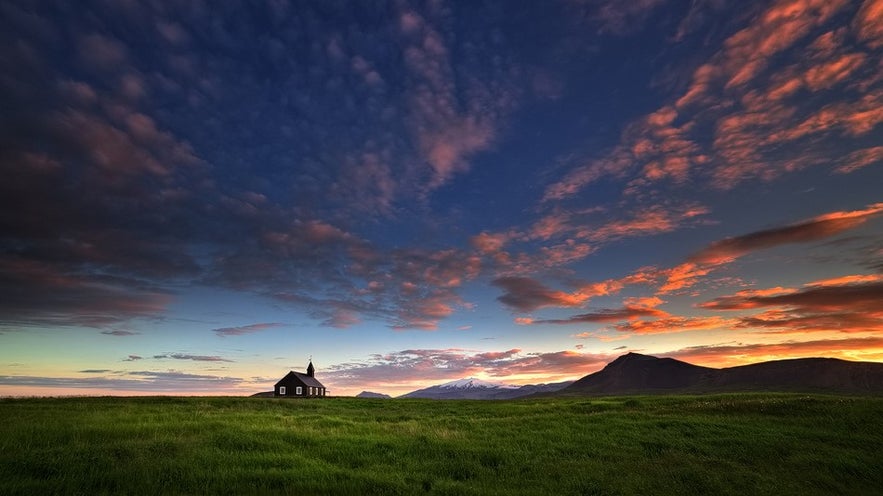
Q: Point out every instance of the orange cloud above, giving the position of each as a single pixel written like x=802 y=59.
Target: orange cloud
x=750 y=107
x=675 y=324
x=830 y=73
x=607 y=315
x=844 y=304
x=868 y=23
x=525 y=294
x=682 y=276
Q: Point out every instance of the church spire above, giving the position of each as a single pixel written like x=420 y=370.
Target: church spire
x=311 y=371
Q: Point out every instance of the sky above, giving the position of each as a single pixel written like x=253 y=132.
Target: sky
x=198 y=197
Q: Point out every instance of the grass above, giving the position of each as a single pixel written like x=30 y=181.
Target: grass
x=720 y=444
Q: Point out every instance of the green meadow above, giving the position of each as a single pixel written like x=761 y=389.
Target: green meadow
x=718 y=444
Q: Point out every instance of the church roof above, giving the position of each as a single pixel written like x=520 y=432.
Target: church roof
x=299 y=377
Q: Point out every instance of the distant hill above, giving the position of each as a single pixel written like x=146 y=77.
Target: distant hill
x=636 y=373
x=265 y=394
x=476 y=389
x=369 y=394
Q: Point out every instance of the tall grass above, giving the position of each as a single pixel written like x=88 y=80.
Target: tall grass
x=722 y=444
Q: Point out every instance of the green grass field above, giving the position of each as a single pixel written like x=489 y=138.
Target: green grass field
x=721 y=444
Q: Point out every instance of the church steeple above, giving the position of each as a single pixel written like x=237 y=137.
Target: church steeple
x=311 y=371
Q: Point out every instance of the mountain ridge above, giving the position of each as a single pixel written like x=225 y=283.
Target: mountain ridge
x=634 y=373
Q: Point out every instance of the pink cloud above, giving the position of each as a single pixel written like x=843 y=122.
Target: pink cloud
x=489 y=243
x=860 y=159
x=654 y=220
x=102 y=51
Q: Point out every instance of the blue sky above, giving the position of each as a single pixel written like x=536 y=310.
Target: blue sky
x=198 y=197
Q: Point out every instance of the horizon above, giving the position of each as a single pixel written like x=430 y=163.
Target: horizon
x=197 y=200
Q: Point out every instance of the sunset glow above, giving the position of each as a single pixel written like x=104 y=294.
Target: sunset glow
x=198 y=198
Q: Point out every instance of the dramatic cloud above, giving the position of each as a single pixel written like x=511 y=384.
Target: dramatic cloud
x=814 y=229
x=35 y=293
x=370 y=168
x=846 y=304
x=751 y=92
x=865 y=296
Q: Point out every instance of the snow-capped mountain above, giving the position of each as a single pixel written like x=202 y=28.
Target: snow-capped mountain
x=477 y=389
x=371 y=394
x=471 y=382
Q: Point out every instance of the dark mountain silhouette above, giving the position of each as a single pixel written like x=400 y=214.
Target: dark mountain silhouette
x=369 y=394
x=636 y=373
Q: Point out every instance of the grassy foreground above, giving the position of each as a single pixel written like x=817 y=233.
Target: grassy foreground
x=723 y=444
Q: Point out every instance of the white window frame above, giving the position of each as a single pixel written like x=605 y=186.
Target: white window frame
x=281 y=390
x=299 y=390
x=311 y=390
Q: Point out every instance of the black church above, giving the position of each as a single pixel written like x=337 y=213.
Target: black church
x=298 y=385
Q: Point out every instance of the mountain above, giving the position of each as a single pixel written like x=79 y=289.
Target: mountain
x=369 y=394
x=636 y=373
x=476 y=389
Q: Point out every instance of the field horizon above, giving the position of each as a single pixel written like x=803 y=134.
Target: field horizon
x=722 y=444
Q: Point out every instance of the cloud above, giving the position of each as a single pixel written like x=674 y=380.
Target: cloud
x=132 y=358
x=525 y=294
x=607 y=315
x=724 y=251
x=868 y=25
x=102 y=51
x=845 y=304
x=171 y=204
x=758 y=93
x=859 y=159
x=135 y=381
x=120 y=332
x=246 y=329
x=675 y=324
x=862 y=296
x=36 y=293
x=616 y=18
x=187 y=356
